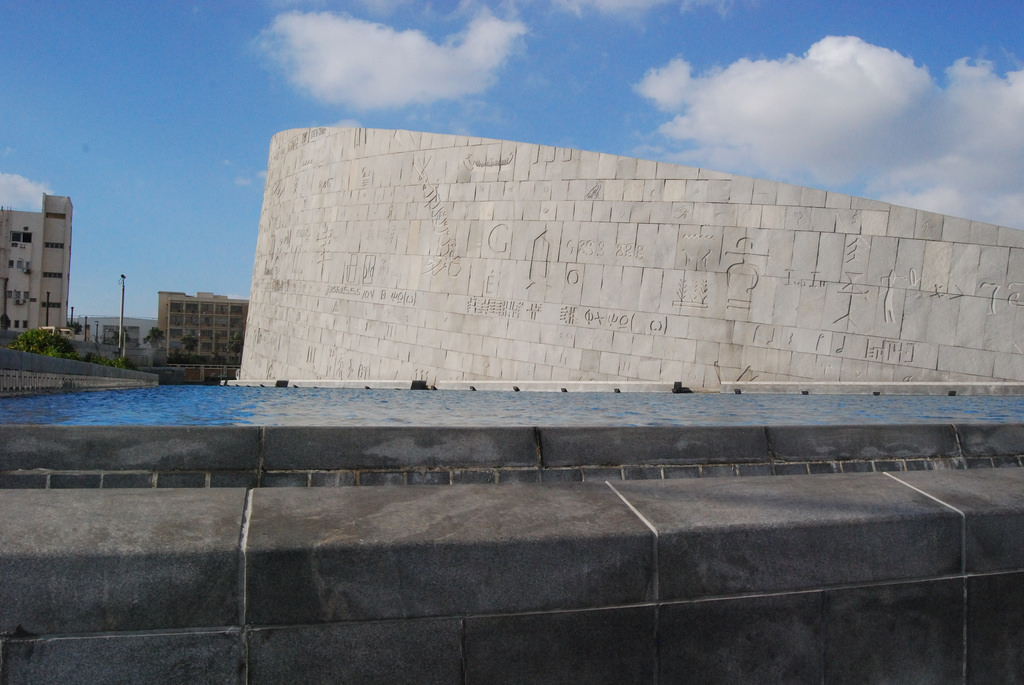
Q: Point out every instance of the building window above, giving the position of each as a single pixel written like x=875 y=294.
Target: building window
x=55 y=215
x=21 y=237
x=59 y=246
x=52 y=305
x=175 y=333
x=52 y=274
x=177 y=307
x=192 y=307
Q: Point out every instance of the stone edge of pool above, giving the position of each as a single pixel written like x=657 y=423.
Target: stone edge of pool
x=753 y=387
x=61 y=457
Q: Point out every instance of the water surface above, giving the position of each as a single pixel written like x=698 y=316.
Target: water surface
x=216 y=405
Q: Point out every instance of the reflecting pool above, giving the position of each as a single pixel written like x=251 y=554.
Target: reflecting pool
x=217 y=405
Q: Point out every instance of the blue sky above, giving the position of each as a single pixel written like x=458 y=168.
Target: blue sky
x=156 y=117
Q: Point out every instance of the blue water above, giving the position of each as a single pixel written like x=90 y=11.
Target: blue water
x=215 y=405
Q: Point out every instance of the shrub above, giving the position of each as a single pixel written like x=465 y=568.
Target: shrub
x=50 y=343
x=120 y=362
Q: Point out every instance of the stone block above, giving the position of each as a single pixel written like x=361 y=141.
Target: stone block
x=775 y=639
x=319 y=556
x=129 y=480
x=370 y=447
x=79 y=561
x=126 y=448
x=605 y=646
x=840 y=443
x=198 y=657
x=181 y=480
x=75 y=480
x=422 y=651
x=902 y=633
x=652 y=445
x=728 y=536
x=995 y=622
x=992 y=502
x=986 y=440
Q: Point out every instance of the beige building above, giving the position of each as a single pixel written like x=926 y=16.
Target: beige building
x=215 y=321
x=35 y=265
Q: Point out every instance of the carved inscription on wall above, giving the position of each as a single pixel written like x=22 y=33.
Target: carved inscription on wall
x=443 y=258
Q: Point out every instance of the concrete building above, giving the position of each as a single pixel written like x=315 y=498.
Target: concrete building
x=399 y=255
x=213 y=320
x=35 y=265
x=103 y=330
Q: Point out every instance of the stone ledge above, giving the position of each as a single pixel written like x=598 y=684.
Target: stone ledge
x=874 y=388
x=839 y=443
x=359 y=554
x=653 y=445
x=82 y=561
x=129 y=448
x=353 y=447
x=513 y=579
x=248 y=456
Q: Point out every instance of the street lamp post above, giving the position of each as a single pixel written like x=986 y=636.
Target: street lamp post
x=5 y=321
x=120 y=323
x=47 y=307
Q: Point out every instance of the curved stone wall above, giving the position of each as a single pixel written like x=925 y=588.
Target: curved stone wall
x=400 y=255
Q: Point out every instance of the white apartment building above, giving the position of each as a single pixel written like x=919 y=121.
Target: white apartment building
x=35 y=265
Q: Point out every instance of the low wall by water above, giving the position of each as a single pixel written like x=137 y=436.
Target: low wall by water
x=879 y=577
x=35 y=456
x=24 y=373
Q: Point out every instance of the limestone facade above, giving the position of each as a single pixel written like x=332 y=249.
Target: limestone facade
x=388 y=254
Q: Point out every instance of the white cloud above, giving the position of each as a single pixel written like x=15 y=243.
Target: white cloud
x=636 y=6
x=347 y=123
x=18 y=192
x=368 y=65
x=851 y=113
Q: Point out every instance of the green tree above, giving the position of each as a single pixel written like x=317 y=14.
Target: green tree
x=155 y=337
x=50 y=343
x=236 y=342
x=190 y=343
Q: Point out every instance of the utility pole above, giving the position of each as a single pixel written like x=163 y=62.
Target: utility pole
x=120 y=323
